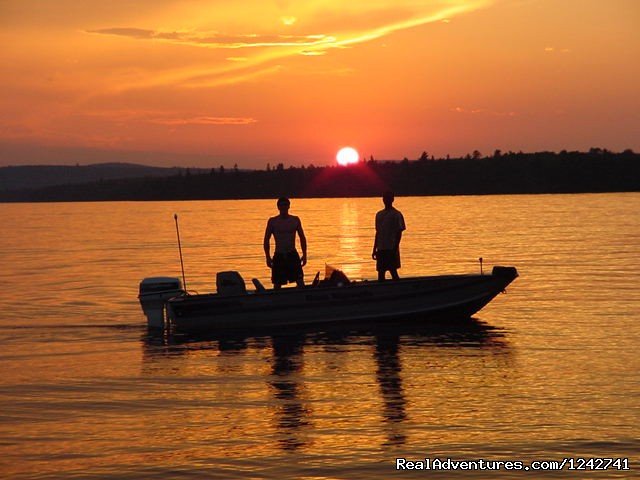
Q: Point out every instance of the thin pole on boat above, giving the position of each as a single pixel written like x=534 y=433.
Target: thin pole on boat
x=184 y=281
x=481 y=272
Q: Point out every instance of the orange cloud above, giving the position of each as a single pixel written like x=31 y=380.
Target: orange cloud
x=274 y=46
x=205 y=121
x=216 y=40
x=483 y=111
x=166 y=118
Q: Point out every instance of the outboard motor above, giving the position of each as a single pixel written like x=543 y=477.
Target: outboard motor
x=154 y=292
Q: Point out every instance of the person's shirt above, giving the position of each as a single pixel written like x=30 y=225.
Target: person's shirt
x=389 y=223
x=284 y=231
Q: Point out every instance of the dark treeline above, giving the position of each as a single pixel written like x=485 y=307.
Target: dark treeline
x=40 y=176
x=543 y=172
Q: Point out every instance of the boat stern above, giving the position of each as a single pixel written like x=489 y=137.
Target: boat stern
x=153 y=295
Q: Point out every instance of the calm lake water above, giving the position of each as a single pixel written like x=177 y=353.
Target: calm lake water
x=547 y=371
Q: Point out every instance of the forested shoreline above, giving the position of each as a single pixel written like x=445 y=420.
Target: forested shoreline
x=510 y=173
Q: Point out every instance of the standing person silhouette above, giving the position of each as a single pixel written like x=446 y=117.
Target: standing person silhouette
x=386 y=247
x=286 y=264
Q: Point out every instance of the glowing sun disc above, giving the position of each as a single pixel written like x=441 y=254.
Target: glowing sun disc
x=347 y=156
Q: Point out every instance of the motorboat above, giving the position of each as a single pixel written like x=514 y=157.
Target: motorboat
x=335 y=300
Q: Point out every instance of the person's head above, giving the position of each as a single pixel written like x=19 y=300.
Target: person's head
x=387 y=198
x=283 y=204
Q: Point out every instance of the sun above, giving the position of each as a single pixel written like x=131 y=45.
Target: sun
x=347 y=156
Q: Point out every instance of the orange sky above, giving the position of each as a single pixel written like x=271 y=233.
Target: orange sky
x=202 y=83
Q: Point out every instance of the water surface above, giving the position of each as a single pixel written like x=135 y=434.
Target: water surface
x=546 y=371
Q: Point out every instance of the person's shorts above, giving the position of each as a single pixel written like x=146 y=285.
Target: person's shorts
x=286 y=268
x=387 y=260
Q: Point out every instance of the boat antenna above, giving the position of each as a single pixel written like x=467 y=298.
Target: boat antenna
x=480 y=259
x=184 y=281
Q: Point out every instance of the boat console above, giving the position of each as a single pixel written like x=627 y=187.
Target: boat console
x=230 y=283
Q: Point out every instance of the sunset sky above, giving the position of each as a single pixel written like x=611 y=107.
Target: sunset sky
x=205 y=83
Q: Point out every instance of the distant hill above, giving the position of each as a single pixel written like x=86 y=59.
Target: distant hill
x=542 y=172
x=39 y=176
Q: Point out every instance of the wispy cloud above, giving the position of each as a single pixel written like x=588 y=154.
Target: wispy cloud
x=313 y=53
x=205 y=121
x=264 y=48
x=165 y=118
x=288 y=20
x=315 y=41
x=557 y=50
x=208 y=79
x=483 y=111
x=217 y=40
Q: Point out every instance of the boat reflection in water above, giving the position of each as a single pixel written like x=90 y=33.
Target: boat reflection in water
x=318 y=381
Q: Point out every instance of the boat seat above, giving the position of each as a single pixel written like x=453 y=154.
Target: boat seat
x=258 y=285
x=337 y=279
x=230 y=283
x=507 y=272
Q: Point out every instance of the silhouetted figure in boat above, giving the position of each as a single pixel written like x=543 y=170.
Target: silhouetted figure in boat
x=286 y=264
x=386 y=247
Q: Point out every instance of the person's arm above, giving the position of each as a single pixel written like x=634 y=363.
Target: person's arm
x=401 y=227
x=398 y=239
x=303 y=244
x=266 y=243
x=374 y=252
